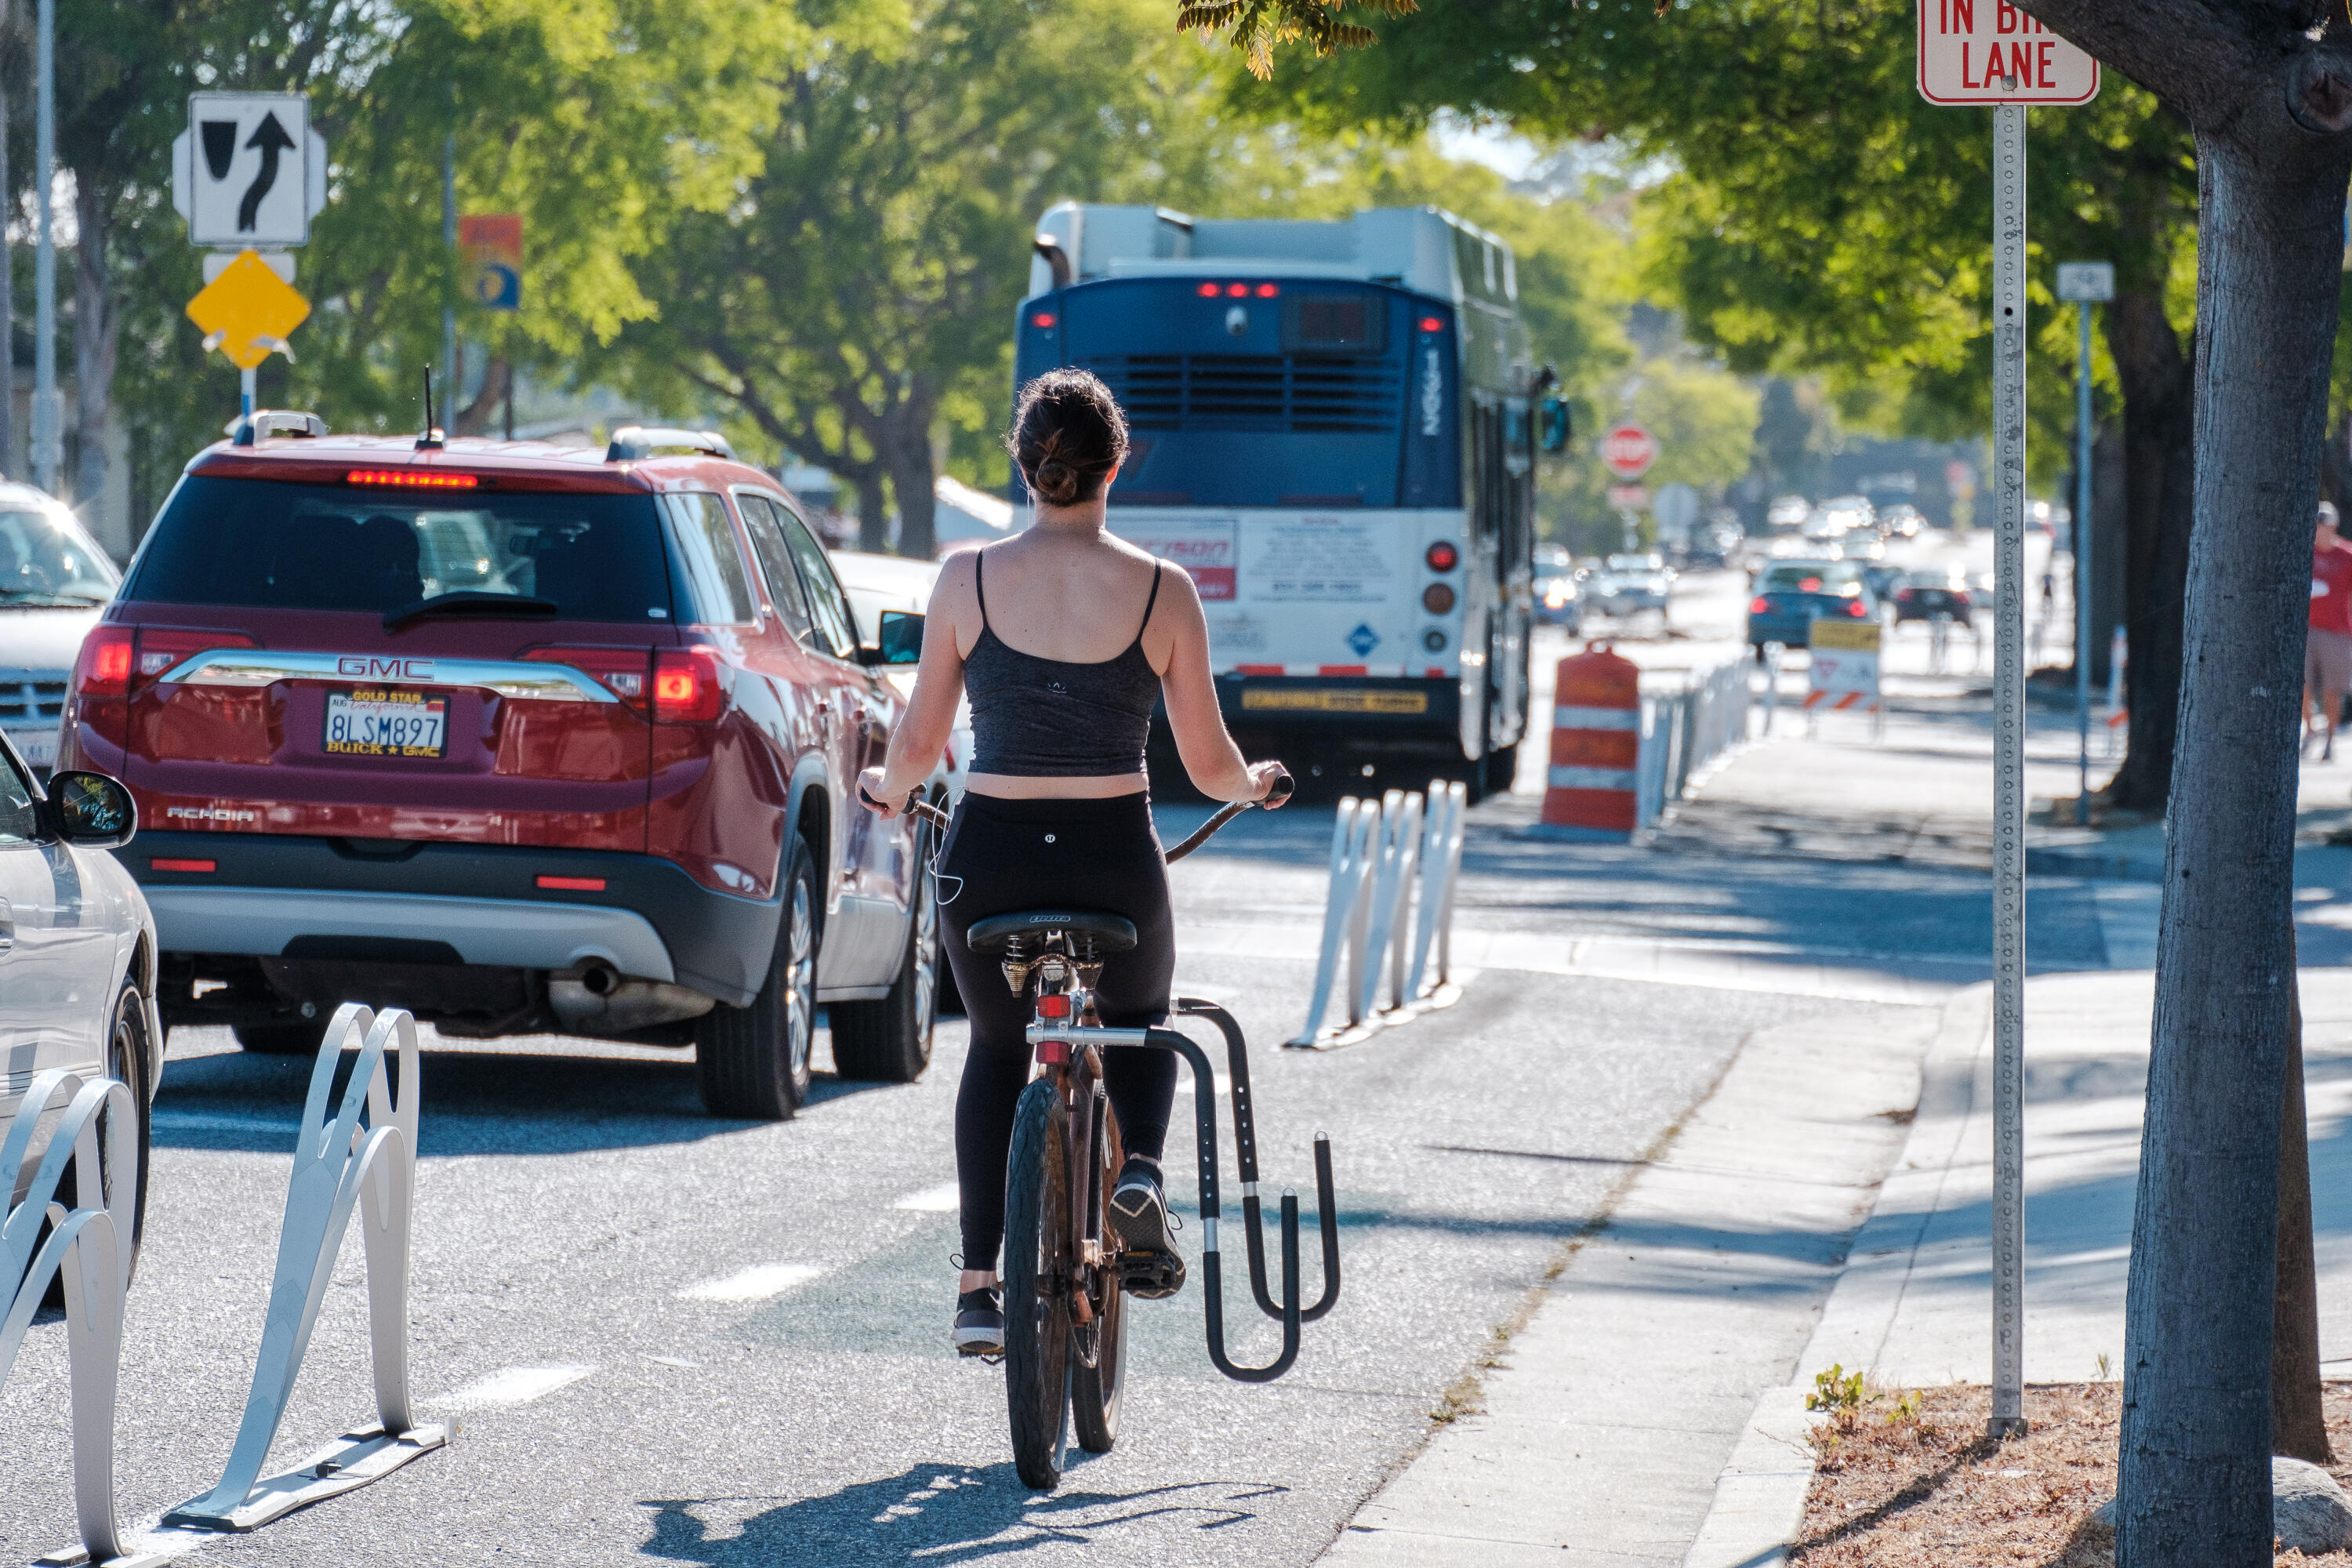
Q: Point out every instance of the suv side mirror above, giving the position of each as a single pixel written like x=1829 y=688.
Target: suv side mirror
x=1552 y=430
x=91 y=810
x=898 y=640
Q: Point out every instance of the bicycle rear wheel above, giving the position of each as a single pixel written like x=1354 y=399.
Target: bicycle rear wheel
x=1096 y=1390
x=1038 y=1272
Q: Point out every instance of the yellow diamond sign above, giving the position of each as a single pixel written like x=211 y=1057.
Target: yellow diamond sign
x=248 y=310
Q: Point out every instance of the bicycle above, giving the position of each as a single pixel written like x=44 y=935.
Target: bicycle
x=1063 y=1289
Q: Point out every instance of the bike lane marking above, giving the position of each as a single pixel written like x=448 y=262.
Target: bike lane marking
x=761 y=1282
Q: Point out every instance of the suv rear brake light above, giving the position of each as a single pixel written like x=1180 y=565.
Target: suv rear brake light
x=620 y=671
x=413 y=478
x=686 y=686
x=104 y=668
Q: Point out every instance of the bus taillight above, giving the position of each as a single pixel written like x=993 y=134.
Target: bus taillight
x=1442 y=556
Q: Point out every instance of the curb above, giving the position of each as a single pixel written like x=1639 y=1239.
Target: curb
x=1759 y=1495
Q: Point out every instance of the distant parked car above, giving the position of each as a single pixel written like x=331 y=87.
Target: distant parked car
x=1924 y=596
x=54 y=582
x=1900 y=520
x=1792 y=595
x=1559 y=602
x=1620 y=594
x=879 y=582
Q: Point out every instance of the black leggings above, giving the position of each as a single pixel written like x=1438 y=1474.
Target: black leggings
x=1005 y=855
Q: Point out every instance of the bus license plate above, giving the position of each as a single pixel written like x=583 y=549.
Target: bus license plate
x=386 y=723
x=1294 y=699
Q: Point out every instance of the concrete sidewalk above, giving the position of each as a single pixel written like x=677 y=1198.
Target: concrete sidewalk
x=1914 y=1304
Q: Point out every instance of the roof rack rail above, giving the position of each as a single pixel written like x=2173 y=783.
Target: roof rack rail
x=264 y=423
x=632 y=442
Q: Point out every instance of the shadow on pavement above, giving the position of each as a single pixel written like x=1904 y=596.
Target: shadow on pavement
x=938 y=1513
x=505 y=1103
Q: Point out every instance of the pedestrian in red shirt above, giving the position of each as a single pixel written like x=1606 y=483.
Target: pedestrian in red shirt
x=2327 y=650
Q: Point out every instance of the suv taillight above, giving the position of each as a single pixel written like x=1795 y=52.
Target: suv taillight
x=104 y=668
x=619 y=670
x=686 y=686
x=161 y=648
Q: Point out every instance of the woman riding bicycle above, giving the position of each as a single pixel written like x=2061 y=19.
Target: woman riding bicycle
x=1063 y=635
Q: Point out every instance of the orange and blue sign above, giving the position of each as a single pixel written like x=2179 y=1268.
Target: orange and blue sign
x=489 y=245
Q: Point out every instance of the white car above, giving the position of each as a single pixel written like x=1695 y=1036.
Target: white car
x=54 y=582
x=879 y=582
x=78 y=949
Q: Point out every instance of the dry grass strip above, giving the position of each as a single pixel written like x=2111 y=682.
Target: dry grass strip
x=1911 y=1479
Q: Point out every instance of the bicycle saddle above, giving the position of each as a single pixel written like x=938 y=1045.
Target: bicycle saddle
x=1111 y=933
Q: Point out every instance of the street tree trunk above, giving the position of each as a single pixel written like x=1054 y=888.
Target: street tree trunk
x=498 y=383
x=2159 y=474
x=913 y=473
x=2196 y=1440
x=2298 y=1421
x=873 y=515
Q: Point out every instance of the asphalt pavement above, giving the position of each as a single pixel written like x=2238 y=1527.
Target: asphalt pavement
x=674 y=1338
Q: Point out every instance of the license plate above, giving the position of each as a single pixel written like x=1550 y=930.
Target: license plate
x=39 y=747
x=386 y=723
x=1294 y=699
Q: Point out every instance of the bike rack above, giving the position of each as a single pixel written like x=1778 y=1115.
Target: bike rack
x=1245 y=1153
x=1388 y=912
x=337 y=1164
x=90 y=1250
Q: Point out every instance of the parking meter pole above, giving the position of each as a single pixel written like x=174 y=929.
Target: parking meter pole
x=2008 y=771
x=2081 y=536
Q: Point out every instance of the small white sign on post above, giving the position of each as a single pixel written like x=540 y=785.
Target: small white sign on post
x=248 y=173
x=1988 y=51
x=2086 y=282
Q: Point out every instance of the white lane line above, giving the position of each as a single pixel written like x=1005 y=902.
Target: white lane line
x=761 y=1282
x=945 y=1198
x=515 y=1385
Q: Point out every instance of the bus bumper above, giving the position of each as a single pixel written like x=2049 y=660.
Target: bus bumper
x=1397 y=716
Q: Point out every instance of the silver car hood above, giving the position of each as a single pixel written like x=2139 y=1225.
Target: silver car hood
x=44 y=639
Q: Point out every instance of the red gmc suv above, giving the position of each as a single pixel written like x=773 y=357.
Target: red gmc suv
x=521 y=738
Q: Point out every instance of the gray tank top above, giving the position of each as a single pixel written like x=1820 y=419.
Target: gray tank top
x=1047 y=718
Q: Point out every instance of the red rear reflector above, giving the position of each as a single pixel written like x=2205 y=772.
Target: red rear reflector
x=413 y=479
x=1208 y=290
x=1267 y=290
x=1054 y=1004
x=1052 y=1051
x=1433 y=323
x=162 y=864
x=564 y=884
x=1042 y=319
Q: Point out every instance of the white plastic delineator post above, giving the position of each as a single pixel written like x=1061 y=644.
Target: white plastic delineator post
x=339 y=1162
x=1394 y=864
x=90 y=1246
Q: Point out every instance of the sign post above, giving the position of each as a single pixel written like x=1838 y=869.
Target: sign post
x=2086 y=283
x=1990 y=52
x=1628 y=450
x=248 y=173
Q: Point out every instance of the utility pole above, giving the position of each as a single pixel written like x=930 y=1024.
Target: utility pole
x=48 y=411
x=2083 y=282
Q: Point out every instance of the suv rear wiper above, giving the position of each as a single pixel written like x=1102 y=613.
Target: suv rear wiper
x=474 y=601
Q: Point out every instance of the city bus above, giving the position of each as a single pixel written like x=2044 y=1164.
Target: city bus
x=1332 y=430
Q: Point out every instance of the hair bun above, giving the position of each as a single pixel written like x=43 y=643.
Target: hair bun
x=1067 y=437
x=1057 y=481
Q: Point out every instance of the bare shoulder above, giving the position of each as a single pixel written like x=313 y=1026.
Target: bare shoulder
x=954 y=585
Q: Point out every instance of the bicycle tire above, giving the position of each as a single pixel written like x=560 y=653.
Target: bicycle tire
x=1036 y=1271
x=1096 y=1391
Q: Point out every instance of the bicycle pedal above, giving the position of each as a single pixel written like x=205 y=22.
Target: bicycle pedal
x=1151 y=1276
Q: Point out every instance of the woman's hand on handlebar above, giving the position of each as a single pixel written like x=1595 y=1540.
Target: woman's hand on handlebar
x=869 y=795
x=1270 y=783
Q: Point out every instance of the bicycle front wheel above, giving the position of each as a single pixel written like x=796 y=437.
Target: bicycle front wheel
x=1038 y=1271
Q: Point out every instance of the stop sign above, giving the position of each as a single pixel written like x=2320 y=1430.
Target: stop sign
x=1629 y=450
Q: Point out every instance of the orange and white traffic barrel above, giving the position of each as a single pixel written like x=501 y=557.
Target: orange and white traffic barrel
x=1596 y=745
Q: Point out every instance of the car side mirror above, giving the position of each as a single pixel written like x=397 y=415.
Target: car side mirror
x=91 y=810
x=900 y=638
x=1552 y=429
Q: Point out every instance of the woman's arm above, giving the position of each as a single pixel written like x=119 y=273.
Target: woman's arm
x=923 y=730
x=1210 y=759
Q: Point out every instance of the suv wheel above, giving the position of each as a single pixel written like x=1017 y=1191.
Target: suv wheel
x=889 y=1040
x=126 y=1058
x=753 y=1062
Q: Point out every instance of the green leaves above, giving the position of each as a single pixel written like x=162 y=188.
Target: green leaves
x=1259 y=26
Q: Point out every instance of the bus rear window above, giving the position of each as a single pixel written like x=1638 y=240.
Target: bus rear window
x=256 y=543
x=1334 y=323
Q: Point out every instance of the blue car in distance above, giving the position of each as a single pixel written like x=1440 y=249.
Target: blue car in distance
x=1791 y=596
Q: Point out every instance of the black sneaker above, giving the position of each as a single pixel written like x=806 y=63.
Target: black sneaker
x=978 y=1323
x=1152 y=1267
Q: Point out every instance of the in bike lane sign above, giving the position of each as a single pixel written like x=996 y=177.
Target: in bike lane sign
x=1988 y=52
